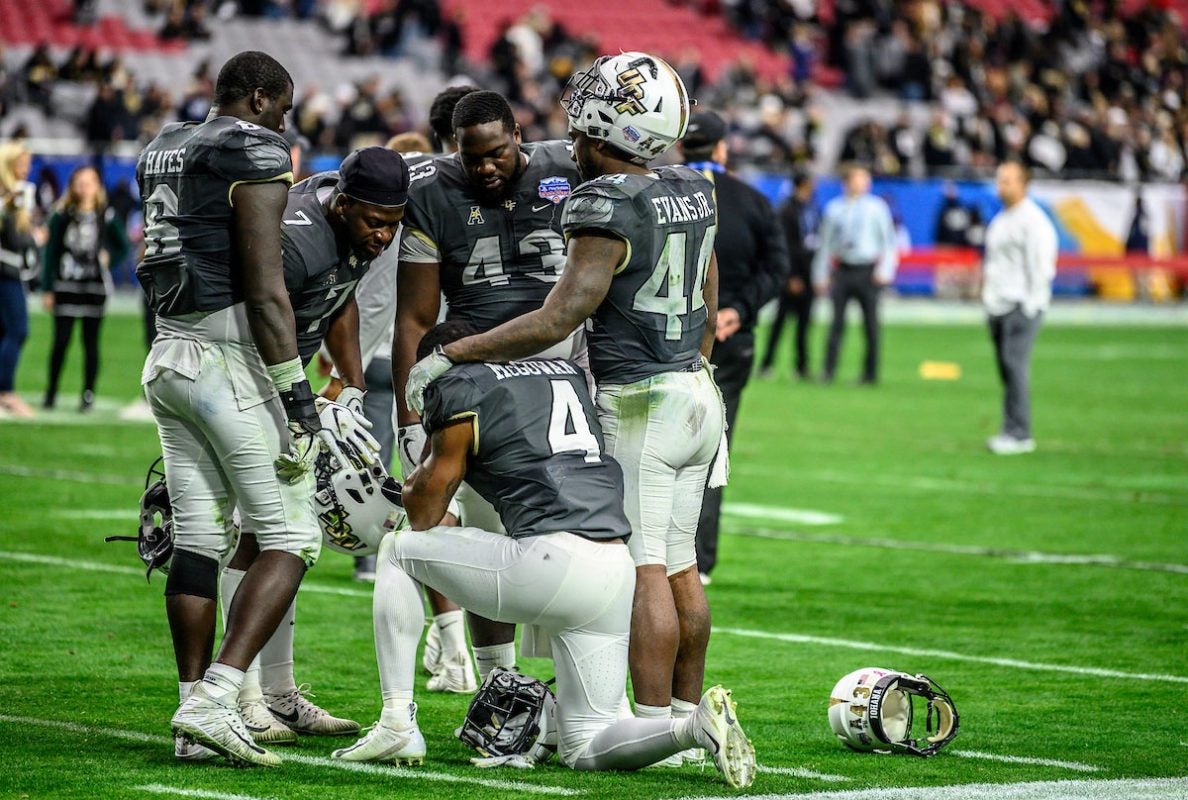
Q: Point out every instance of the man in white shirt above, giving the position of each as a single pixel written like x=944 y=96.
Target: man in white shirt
x=857 y=257
x=1017 y=273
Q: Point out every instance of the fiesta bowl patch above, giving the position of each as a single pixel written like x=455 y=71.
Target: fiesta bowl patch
x=554 y=189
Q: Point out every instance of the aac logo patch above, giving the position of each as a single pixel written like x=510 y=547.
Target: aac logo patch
x=476 y=216
x=554 y=189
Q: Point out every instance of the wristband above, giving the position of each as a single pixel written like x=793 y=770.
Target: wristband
x=300 y=407
x=285 y=374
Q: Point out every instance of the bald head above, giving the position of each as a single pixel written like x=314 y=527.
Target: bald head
x=1011 y=181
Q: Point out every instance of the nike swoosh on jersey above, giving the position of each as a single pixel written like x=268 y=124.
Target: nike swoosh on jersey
x=549 y=204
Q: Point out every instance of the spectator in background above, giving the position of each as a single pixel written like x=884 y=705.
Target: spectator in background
x=801 y=219
x=752 y=264
x=85 y=239
x=857 y=257
x=958 y=224
x=40 y=72
x=18 y=253
x=1017 y=274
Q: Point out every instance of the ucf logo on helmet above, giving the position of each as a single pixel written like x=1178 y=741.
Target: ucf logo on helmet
x=631 y=87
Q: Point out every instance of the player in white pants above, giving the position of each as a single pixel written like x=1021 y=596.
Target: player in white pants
x=563 y=566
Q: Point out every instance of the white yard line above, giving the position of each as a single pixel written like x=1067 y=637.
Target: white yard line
x=849 y=644
x=1017 y=556
x=21 y=471
x=926 y=484
x=1126 y=789
x=1075 y=766
x=801 y=772
x=96 y=513
x=157 y=788
x=120 y=569
x=297 y=758
x=803 y=516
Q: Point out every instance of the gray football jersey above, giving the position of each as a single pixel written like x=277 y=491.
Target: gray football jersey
x=320 y=273
x=539 y=455
x=497 y=261
x=186 y=176
x=654 y=315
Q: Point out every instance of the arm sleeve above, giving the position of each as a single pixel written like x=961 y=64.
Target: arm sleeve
x=771 y=262
x=418 y=247
x=448 y=398
x=1040 y=269
x=889 y=262
x=117 y=240
x=825 y=252
x=592 y=208
x=252 y=155
x=51 y=256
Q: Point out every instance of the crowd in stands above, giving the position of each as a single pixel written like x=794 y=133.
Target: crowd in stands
x=1090 y=93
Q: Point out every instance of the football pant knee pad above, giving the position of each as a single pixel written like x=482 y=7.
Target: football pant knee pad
x=193 y=574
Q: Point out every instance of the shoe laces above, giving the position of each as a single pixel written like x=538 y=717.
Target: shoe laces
x=300 y=700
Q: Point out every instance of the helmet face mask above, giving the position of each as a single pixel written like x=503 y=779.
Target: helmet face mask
x=633 y=101
x=154 y=536
x=510 y=715
x=873 y=710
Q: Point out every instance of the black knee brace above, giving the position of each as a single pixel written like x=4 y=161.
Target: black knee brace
x=193 y=574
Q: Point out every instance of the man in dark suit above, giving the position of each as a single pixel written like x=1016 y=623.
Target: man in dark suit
x=800 y=217
x=752 y=265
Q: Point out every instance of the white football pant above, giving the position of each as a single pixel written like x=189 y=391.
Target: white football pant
x=578 y=591
x=664 y=431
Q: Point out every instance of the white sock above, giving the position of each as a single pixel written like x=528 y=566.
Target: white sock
x=492 y=656
x=184 y=688
x=229 y=582
x=652 y=712
x=276 y=656
x=399 y=712
x=398 y=618
x=453 y=634
x=683 y=709
x=223 y=681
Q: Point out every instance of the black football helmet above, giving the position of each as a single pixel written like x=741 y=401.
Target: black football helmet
x=511 y=714
x=154 y=541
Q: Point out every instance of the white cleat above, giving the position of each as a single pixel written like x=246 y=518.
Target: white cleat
x=694 y=755
x=716 y=728
x=263 y=726
x=1003 y=445
x=188 y=751
x=296 y=711
x=431 y=657
x=208 y=721
x=388 y=745
x=455 y=675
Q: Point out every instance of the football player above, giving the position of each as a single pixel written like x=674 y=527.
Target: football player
x=377 y=310
x=640 y=266
x=226 y=350
x=483 y=226
x=335 y=225
x=526 y=436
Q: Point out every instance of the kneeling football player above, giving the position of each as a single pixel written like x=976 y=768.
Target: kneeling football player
x=525 y=435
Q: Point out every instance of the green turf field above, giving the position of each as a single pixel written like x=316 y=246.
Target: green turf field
x=1047 y=593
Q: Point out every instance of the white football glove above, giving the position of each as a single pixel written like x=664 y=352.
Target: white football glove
x=423 y=373
x=410 y=442
x=351 y=427
x=308 y=437
x=352 y=398
x=306 y=445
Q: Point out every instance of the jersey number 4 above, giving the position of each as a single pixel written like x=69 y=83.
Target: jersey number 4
x=664 y=292
x=569 y=432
